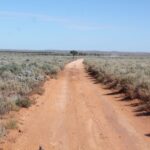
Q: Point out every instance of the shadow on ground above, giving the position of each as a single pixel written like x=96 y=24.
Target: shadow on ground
x=139 y=110
x=148 y=135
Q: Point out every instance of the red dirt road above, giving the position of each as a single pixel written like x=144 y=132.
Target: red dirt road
x=76 y=114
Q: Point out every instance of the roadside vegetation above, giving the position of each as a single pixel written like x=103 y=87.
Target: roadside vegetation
x=22 y=74
x=128 y=75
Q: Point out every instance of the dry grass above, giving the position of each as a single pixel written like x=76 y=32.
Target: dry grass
x=20 y=74
x=2 y=130
x=11 y=124
x=130 y=75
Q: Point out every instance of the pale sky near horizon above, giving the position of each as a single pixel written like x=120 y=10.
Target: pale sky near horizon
x=118 y=25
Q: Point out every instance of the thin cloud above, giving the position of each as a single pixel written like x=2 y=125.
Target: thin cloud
x=88 y=27
x=67 y=23
x=31 y=16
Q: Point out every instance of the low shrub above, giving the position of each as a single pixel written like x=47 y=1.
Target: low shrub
x=2 y=130
x=11 y=124
x=5 y=106
x=24 y=102
x=129 y=75
x=21 y=73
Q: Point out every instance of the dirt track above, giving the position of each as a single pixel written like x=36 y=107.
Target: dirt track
x=76 y=114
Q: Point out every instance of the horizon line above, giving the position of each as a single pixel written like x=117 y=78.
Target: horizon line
x=88 y=50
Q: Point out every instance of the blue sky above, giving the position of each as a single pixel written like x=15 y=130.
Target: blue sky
x=121 y=25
